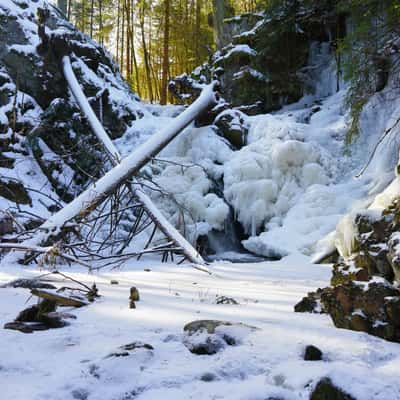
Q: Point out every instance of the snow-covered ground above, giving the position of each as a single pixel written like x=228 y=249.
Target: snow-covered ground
x=69 y=363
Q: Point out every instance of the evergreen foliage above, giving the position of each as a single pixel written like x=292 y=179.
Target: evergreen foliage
x=368 y=49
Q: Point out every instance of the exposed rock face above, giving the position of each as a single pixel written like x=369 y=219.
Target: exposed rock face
x=38 y=116
x=369 y=307
x=232 y=125
x=261 y=64
x=363 y=295
x=310 y=303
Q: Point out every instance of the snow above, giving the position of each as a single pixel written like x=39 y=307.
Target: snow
x=263 y=180
x=293 y=181
x=124 y=170
x=87 y=110
x=251 y=71
x=74 y=363
x=241 y=48
x=289 y=187
x=56 y=221
x=186 y=170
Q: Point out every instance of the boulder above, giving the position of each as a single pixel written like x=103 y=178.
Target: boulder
x=393 y=255
x=232 y=126
x=310 y=303
x=14 y=191
x=48 y=123
x=367 y=307
x=326 y=390
x=312 y=353
x=127 y=349
x=38 y=318
x=207 y=337
x=346 y=272
x=364 y=294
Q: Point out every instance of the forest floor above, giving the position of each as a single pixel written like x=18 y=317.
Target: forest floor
x=71 y=362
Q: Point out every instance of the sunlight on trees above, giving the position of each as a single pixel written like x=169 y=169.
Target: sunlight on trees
x=154 y=40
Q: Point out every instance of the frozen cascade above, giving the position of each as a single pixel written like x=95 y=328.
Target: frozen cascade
x=293 y=180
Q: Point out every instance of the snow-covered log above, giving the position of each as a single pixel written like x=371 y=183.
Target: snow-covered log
x=158 y=218
x=88 y=111
x=125 y=170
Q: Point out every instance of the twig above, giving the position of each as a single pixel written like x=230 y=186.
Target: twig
x=381 y=139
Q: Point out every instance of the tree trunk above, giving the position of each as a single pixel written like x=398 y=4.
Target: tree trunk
x=165 y=62
x=197 y=32
x=123 y=40
x=158 y=218
x=219 y=14
x=146 y=55
x=118 y=27
x=62 y=5
x=88 y=200
x=91 y=18
x=128 y=38
x=101 y=38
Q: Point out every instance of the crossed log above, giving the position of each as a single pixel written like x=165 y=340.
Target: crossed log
x=123 y=171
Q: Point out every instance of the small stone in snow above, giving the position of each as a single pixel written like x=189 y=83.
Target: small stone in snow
x=208 y=377
x=134 y=296
x=312 y=353
x=225 y=300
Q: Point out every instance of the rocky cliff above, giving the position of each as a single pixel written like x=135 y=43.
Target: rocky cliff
x=48 y=153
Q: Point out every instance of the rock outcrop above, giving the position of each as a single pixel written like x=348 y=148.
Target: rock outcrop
x=262 y=65
x=327 y=390
x=364 y=294
x=39 y=119
x=207 y=337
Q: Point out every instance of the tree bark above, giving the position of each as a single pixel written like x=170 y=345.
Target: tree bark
x=62 y=5
x=165 y=63
x=145 y=53
x=197 y=32
x=57 y=298
x=219 y=14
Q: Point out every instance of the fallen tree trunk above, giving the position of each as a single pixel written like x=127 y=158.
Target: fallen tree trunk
x=57 y=298
x=88 y=111
x=88 y=200
x=158 y=218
